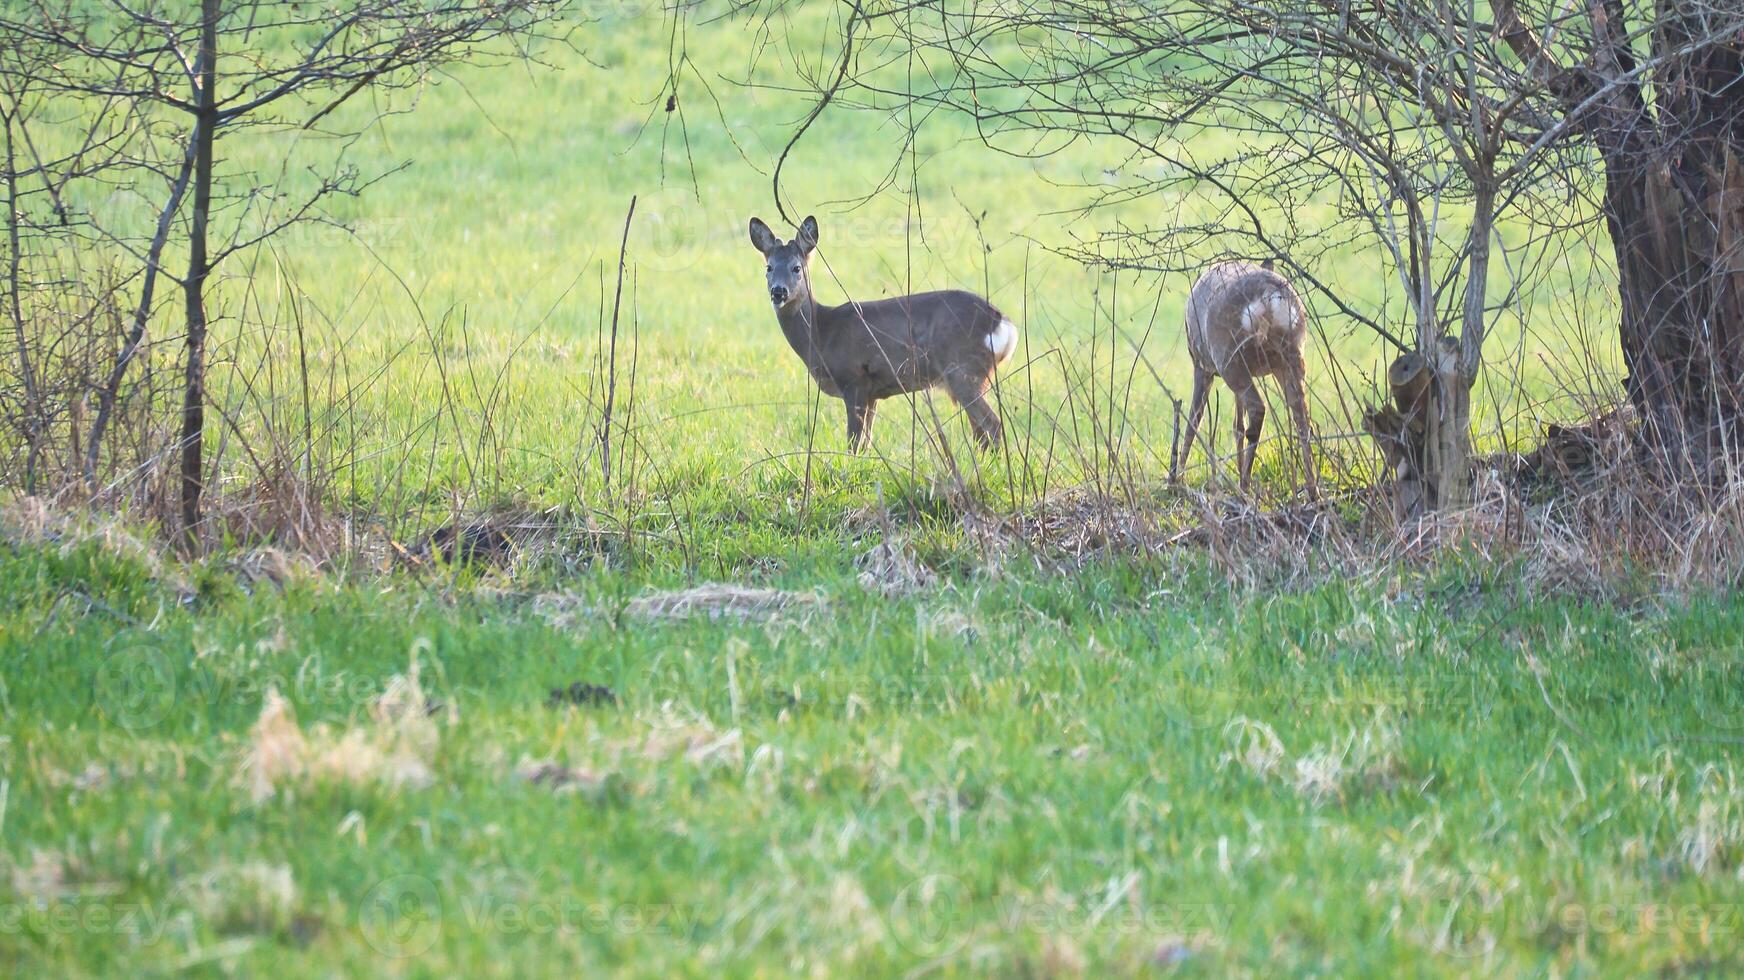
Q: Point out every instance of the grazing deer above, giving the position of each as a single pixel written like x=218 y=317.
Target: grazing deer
x=862 y=352
x=1244 y=322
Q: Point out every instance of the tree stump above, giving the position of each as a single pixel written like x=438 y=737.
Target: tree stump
x=1424 y=435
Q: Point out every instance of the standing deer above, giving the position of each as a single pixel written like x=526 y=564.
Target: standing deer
x=862 y=352
x=1244 y=321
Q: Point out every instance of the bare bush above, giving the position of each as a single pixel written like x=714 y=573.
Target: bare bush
x=151 y=90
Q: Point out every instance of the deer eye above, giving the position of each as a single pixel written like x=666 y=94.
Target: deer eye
x=796 y=268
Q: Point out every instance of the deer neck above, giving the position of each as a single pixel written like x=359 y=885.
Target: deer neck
x=802 y=325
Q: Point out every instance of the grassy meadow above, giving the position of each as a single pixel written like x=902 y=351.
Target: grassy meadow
x=457 y=338
x=938 y=756
x=1133 y=770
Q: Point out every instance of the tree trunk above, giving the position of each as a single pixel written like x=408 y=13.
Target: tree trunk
x=194 y=287
x=1425 y=434
x=135 y=339
x=33 y=410
x=1676 y=220
x=1674 y=208
x=1678 y=234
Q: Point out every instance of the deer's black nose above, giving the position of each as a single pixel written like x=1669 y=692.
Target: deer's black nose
x=778 y=294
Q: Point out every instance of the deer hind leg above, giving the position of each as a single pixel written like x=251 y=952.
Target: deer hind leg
x=1250 y=418
x=1201 y=393
x=971 y=393
x=1296 y=395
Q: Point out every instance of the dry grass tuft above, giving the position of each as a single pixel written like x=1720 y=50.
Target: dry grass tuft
x=1620 y=519
x=1295 y=546
x=691 y=736
x=891 y=569
x=564 y=610
x=1588 y=511
x=721 y=601
x=53 y=875
x=1591 y=509
x=1081 y=525
x=1253 y=747
x=558 y=777
x=42 y=522
x=1364 y=759
x=276 y=748
x=279 y=509
x=1061 y=957
x=1706 y=807
x=29 y=520
x=252 y=896
x=1447 y=910
x=267 y=565
x=394 y=750
x=44 y=879
x=1712 y=840
x=93 y=778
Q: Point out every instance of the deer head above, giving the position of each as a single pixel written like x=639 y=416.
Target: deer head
x=785 y=265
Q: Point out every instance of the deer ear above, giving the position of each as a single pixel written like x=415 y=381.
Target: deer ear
x=808 y=235
x=762 y=239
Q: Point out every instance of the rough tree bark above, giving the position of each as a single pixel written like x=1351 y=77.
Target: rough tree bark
x=1425 y=433
x=1675 y=213
x=1674 y=208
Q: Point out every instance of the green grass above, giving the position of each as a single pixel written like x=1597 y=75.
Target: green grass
x=1012 y=775
x=1133 y=767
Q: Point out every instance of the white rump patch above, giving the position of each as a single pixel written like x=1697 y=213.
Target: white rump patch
x=1271 y=311
x=1283 y=311
x=1254 y=319
x=1002 y=341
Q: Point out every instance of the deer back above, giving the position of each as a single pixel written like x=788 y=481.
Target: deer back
x=891 y=346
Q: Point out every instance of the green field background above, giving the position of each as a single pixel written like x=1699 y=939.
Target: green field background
x=453 y=333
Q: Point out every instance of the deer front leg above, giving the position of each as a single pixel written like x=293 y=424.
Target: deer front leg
x=860 y=413
x=1201 y=392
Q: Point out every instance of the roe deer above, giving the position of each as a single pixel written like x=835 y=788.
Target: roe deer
x=861 y=352
x=1244 y=321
